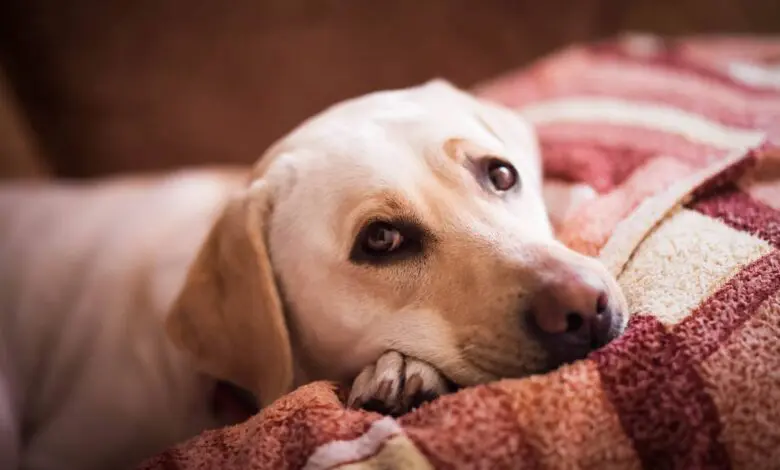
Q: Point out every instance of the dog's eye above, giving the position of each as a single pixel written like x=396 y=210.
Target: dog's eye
x=386 y=242
x=502 y=175
x=381 y=237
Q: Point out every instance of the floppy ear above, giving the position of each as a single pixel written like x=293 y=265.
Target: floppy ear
x=228 y=315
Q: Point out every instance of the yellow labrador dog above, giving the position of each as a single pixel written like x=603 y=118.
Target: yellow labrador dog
x=398 y=241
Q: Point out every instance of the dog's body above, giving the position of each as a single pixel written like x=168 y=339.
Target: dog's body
x=264 y=280
x=88 y=378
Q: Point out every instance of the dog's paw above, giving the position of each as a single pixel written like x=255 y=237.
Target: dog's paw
x=396 y=384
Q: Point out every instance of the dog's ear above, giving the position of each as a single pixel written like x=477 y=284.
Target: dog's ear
x=228 y=315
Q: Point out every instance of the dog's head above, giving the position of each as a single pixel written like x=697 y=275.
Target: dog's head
x=407 y=220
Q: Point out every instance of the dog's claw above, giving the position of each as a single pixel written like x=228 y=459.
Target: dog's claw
x=396 y=384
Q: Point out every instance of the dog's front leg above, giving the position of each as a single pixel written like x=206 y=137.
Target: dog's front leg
x=396 y=384
x=10 y=444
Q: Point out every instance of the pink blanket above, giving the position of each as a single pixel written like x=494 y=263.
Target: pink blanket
x=677 y=139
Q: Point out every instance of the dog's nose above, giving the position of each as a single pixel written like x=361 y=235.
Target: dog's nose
x=572 y=316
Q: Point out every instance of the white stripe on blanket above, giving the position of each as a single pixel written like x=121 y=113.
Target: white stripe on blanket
x=639 y=114
x=341 y=452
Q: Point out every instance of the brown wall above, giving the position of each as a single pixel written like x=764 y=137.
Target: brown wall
x=124 y=85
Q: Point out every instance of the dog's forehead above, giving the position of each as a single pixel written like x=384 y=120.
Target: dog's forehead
x=389 y=146
x=387 y=133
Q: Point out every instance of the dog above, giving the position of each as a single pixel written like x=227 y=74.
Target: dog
x=397 y=242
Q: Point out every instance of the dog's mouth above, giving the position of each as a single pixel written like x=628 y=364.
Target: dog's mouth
x=562 y=354
x=550 y=354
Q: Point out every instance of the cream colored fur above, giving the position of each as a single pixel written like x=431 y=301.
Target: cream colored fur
x=251 y=279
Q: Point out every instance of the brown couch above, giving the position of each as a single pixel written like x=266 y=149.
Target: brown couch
x=94 y=87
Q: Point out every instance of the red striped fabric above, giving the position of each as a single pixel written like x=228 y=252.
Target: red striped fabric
x=632 y=118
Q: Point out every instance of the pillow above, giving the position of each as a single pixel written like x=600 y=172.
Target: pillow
x=678 y=140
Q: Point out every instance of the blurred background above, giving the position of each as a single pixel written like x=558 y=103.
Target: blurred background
x=97 y=87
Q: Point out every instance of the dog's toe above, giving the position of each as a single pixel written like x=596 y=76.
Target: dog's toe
x=377 y=387
x=395 y=385
x=422 y=383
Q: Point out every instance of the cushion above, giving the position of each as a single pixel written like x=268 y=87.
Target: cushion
x=678 y=139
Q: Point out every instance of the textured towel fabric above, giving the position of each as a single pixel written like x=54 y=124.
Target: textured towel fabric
x=677 y=139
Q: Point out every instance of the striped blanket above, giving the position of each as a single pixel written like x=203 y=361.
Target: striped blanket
x=676 y=140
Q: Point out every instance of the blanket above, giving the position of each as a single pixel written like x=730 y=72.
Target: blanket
x=678 y=139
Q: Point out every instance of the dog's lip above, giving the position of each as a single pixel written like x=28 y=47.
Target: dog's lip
x=578 y=350
x=567 y=356
x=574 y=350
